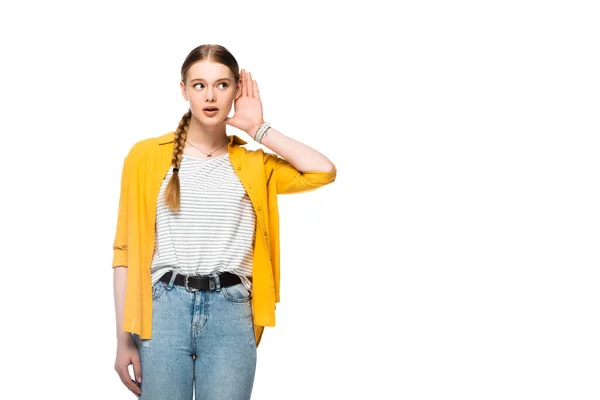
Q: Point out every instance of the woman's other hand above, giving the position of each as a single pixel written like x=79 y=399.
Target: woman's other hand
x=127 y=353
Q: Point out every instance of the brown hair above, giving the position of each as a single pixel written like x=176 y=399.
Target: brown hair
x=214 y=53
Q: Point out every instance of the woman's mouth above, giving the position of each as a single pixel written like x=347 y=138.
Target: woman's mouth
x=210 y=111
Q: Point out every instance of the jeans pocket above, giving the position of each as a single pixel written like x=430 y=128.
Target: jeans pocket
x=236 y=293
x=158 y=289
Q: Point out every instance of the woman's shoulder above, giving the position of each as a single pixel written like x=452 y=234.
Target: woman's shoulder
x=149 y=143
x=141 y=149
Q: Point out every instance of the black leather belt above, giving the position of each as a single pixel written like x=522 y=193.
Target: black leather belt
x=192 y=283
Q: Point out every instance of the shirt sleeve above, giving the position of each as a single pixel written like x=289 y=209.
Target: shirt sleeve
x=288 y=179
x=120 y=240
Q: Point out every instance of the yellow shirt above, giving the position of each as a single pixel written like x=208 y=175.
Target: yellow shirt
x=263 y=175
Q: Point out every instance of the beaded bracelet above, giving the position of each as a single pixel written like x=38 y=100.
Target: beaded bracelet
x=261 y=131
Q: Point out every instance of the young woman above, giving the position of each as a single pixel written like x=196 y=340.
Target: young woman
x=196 y=250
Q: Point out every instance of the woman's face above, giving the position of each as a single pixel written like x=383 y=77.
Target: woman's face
x=210 y=84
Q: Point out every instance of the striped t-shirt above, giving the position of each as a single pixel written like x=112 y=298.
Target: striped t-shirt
x=215 y=228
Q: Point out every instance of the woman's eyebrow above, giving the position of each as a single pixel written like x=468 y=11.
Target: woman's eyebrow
x=200 y=79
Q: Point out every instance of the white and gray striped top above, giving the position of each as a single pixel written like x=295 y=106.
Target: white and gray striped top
x=215 y=228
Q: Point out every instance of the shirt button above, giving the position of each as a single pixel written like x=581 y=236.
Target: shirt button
x=231 y=150
x=258 y=208
x=250 y=186
x=265 y=232
x=239 y=168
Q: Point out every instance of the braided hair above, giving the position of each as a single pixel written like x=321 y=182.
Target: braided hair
x=172 y=193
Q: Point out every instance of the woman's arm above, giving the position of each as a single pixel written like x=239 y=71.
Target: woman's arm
x=300 y=167
x=120 y=284
x=302 y=157
x=127 y=352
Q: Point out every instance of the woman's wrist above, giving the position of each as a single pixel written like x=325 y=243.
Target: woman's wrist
x=254 y=129
x=261 y=132
x=124 y=337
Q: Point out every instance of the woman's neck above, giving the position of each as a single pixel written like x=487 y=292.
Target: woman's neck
x=206 y=137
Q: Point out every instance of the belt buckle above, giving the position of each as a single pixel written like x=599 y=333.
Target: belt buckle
x=214 y=282
x=185 y=284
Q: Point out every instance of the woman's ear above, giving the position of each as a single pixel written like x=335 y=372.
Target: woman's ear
x=183 y=92
x=238 y=90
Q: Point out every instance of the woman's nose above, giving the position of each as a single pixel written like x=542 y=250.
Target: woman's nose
x=209 y=95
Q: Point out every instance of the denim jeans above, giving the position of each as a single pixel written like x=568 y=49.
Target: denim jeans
x=202 y=341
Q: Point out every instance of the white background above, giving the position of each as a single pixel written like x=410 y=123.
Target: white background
x=455 y=256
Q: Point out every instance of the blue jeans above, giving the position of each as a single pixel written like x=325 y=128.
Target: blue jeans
x=202 y=341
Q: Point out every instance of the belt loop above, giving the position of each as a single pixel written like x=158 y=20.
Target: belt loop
x=171 y=282
x=216 y=283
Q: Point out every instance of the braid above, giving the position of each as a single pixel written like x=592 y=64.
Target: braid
x=172 y=194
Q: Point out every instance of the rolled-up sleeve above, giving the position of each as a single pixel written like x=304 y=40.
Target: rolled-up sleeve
x=120 y=241
x=288 y=179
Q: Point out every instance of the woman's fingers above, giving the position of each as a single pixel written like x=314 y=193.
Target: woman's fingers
x=137 y=369
x=244 y=84
x=123 y=372
x=249 y=85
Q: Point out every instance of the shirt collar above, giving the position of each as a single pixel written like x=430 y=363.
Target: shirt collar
x=168 y=138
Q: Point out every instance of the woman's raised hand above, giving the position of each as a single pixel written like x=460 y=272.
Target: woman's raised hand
x=248 y=113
